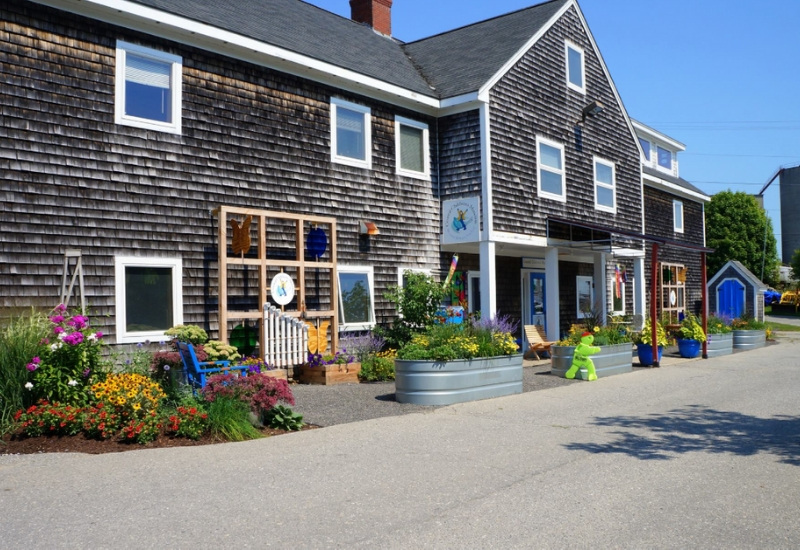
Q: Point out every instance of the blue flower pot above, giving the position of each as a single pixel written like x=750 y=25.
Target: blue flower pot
x=645 y=353
x=688 y=348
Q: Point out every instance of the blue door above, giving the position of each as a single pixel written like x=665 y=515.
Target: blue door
x=730 y=298
x=538 y=305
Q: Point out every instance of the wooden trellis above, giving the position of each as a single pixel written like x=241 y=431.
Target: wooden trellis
x=259 y=220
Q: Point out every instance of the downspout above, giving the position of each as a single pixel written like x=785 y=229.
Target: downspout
x=653 y=294
x=704 y=302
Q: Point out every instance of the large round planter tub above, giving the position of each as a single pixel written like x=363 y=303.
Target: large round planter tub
x=688 y=348
x=719 y=344
x=458 y=381
x=645 y=354
x=614 y=359
x=749 y=339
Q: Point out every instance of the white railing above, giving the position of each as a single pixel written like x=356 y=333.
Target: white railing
x=285 y=338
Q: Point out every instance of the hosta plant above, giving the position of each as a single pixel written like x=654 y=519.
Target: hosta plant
x=283 y=418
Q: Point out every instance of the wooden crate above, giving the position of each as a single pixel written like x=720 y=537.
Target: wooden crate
x=330 y=374
x=277 y=373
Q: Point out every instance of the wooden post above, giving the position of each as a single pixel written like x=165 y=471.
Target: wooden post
x=653 y=309
x=704 y=302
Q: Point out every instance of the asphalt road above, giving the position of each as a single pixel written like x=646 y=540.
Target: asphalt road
x=698 y=454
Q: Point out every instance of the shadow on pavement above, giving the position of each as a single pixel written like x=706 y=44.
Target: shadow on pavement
x=700 y=429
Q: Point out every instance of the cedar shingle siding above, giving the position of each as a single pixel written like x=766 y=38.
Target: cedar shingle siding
x=251 y=137
x=533 y=99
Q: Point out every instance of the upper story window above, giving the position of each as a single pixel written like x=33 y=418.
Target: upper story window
x=605 y=186
x=645 y=148
x=575 y=68
x=351 y=134
x=412 y=149
x=550 y=169
x=677 y=216
x=148 y=91
x=664 y=158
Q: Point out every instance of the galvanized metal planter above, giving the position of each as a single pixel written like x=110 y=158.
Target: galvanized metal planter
x=749 y=339
x=445 y=383
x=613 y=359
x=719 y=344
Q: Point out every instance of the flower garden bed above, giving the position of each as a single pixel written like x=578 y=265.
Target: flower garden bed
x=336 y=373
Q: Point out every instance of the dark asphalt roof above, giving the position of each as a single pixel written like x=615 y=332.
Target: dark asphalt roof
x=308 y=30
x=680 y=182
x=463 y=60
x=454 y=63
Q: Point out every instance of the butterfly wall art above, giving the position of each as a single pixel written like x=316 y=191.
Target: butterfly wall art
x=241 y=236
x=318 y=337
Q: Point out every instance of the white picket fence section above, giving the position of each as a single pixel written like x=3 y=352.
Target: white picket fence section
x=285 y=338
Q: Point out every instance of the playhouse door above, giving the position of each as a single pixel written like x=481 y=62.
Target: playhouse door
x=730 y=298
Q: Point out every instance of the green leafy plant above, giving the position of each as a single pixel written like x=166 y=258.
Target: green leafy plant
x=142 y=430
x=20 y=339
x=445 y=342
x=229 y=419
x=645 y=336
x=747 y=322
x=691 y=329
x=378 y=366
x=46 y=418
x=417 y=303
x=614 y=332
x=220 y=351
x=284 y=418
x=259 y=392
x=717 y=325
x=188 y=333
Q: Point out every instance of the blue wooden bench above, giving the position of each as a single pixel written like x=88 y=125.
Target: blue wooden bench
x=197 y=371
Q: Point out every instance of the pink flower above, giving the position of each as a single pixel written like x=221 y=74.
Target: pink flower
x=98 y=334
x=31 y=367
x=78 y=321
x=60 y=308
x=73 y=339
x=56 y=319
x=58 y=330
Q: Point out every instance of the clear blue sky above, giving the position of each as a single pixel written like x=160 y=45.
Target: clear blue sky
x=720 y=76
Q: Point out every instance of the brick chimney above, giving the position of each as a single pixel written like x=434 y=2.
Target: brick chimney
x=375 y=13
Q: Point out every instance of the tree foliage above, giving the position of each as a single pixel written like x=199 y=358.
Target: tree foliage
x=795 y=264
x=737 y=228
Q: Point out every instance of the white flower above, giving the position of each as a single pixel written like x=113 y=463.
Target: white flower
x=54 y=347
x=29 y=386
x=73 y=383
x=62 y=335
x=166 y=367
x=92 y=337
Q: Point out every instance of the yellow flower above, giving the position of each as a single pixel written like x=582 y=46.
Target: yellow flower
x=597 y=329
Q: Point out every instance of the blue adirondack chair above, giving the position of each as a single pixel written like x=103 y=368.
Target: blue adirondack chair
x=197 y=371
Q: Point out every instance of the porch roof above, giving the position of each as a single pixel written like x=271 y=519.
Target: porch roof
x=558 y=227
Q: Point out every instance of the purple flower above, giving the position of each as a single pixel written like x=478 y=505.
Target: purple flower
x=58 y=330
x=166 y=367
x=56 y=319
x=98 y=334
x=31 y=367
x=78 y=321
x=73 y=339
x=61 y=308
x=86 y=373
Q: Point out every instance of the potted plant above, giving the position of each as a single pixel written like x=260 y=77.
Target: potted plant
x=720 y=337
x=453 y=363
x=690 y=336
x=612 y=339
x=644 y=342
x=329 y=368
x=748 y=333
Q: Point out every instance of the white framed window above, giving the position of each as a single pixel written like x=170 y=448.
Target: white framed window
x=605 y=188
x=148 y=88
x=664 y=158
x=677 y=216
x=149 y=297
x=356 y=297
x=550 y=169
x=412 y=150
x=645 y=148
x=584 y=295
x=351 y=133
x=575 y=67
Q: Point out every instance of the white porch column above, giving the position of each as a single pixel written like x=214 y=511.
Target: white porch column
x=600 y=286
x=639 y=302
x=551 y=294
x=488 y=280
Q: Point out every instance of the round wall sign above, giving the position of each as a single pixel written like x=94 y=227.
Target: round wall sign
x=282 y=289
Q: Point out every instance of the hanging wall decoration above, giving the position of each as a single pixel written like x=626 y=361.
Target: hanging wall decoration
x=318 y=337
x=282 y=289
x=316 y=242
x=240 y=241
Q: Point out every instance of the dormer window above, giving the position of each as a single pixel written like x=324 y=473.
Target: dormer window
x=645 y=148
x=575 y=68
x=664 y=158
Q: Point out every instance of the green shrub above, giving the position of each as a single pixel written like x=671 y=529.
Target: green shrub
x=378 y=367
x=281 y=417
x=220 y=351
x=229 y=419
x=188 y=333
x=20 y=340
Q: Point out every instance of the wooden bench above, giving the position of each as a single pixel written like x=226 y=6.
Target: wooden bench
x=537 y=341
x=197 y=371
